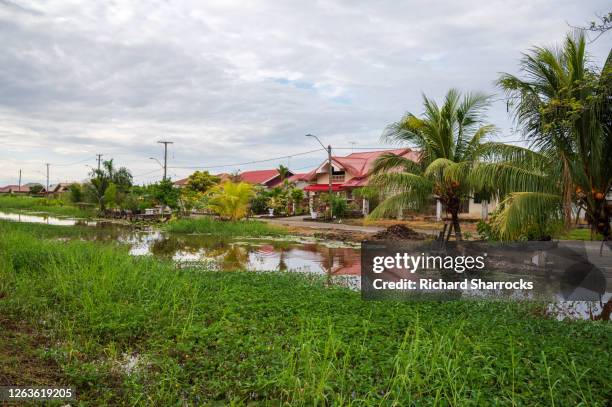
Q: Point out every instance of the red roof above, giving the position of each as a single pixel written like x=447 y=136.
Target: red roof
x=15 y=188
x=359 y=165
x=298 y=177
x=181 y=182
x=259 y=176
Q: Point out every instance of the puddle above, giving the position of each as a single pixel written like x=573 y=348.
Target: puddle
x=340 y=262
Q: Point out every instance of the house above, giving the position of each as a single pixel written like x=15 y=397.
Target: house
x=16 y=189
x=348 y=173
x=353 y=171
x=181 y=183
x=265 y=178
x=61 y=187
x=299 y=180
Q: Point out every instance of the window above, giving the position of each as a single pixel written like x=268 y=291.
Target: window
x=337 y=176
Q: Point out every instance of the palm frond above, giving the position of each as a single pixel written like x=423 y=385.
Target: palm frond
x=521 y=210
x=389 y=162
x=503 y=178
x=394 y=182
x=392 y=205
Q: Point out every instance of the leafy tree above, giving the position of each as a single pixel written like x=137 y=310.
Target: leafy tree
x=563 y=106
x=76 y=192
x=164 y=193
x=36 y=188
x=449 y=138
x=191 y=199
x=110 y=196
x=102 y=178
x=259 y=200
x=202 y=181
x=231 y=200
x=297 y=196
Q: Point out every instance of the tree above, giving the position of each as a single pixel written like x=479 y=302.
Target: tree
x=564 y=109
x=110 y=196
x=599 y=27
x=297 y=196
x=202 y=181
x=36 y=189
x=76 y=192
x=102 y=178
x=283 y=172
x=166 y=194
x=231 y=200
x=449 y=139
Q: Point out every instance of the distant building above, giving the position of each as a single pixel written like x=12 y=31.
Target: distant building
x=265 y=178
x=16 y=189
x=348 y=173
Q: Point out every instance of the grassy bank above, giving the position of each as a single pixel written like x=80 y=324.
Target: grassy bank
x=12 y=203
x=224 y=228
x=127 y=330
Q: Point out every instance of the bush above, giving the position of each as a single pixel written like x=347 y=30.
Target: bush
x=259 y=202
x=76 y=193
x=36 y=189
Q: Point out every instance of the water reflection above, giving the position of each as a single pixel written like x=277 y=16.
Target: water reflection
x=340 y=265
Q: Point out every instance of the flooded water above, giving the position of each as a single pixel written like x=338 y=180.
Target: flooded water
x=296 y=254
x=339 y=262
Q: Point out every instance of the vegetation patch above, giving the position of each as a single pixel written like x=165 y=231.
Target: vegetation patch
x=225 y=228
x=11 y=203
x=128 y=330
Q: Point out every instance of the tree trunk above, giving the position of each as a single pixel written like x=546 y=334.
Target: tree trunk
x=456 y=224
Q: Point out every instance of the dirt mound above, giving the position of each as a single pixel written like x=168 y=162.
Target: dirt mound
x=398 y=232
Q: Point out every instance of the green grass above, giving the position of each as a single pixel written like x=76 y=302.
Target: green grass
x=224 y=228
x=580 y=234
x=272 y=338
x=13 y=203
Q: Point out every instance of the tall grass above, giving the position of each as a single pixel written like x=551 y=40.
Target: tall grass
x=273 y=338
x=214 y=226
x=12 y=203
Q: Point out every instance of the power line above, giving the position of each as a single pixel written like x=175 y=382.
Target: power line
x=249 y=162
x=70 y=164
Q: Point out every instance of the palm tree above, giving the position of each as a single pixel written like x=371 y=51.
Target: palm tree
x=449 y=139
x=231 y=200
x=565 y=110
x=283 y=172
x=102 y=179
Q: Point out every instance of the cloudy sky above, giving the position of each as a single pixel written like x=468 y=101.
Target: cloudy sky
x=235 y=81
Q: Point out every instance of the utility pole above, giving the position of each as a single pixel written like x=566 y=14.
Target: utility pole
x=329 y=170
x=47 y=190
x=165 y=143
x=19 y=180
x=99 y=158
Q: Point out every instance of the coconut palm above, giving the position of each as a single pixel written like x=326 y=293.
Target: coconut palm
x=563 y=106
x=449 y=139
x=283 y=172
x=231 y=200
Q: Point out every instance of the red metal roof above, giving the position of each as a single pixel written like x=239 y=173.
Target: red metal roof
x=298 y=177
x=259 y=176
x=359 y=165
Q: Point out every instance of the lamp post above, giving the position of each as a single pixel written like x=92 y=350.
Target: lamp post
x=160 y=164
x=329 y=170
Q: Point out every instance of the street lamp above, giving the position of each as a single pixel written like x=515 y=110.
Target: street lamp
x=329 y=169
x=157 y=161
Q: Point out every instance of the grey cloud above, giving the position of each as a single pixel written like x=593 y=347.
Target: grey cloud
x=233 y=82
